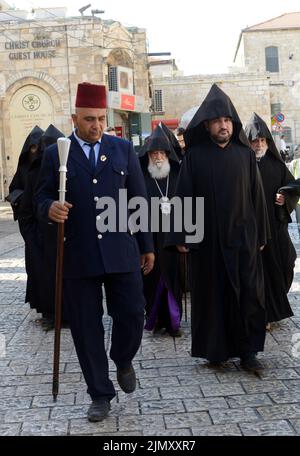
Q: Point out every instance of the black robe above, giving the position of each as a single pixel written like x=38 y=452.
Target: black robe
x=39 y=237
x=166 y=269
x=227 y=295
x=279 y=256
x=162 y=287
x=24 y=164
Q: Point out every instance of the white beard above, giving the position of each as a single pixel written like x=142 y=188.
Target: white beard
x=159 y=170
x=261 y=153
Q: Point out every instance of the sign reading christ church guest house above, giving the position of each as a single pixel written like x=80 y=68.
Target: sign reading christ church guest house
x=42 y=60
x=39 y=48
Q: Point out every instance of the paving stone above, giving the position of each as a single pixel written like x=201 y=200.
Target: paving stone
x=266 y=386
x=141 y=394
x=296 y=425
x=8 y=391
x=10 y=429
x=198 y=405
x=169 y=371
x=280 y=412
x=43 y=369
x=222 y=390
x=69 y=412
x=271 y=428
x=18 y=416
x=183 y=420
x=285 y=397
x=162 y=407
x=47 y=401
x=8 y=402
x=169 y=432
x=189 y=380
x=146 y=373
x=153 y=423
x=158 y=382
x=248 y=400
x=180 y=392
x=233 y=415
x=280 y=374
x=217 y=430
x=159 y=363
x=50 y=428
x=13 y=370
x=84 y=427
x=128 y=407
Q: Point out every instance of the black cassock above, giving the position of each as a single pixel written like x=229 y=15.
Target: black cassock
x=227 y=290
x=279 y=256
x=165 y=278
x=39 y=237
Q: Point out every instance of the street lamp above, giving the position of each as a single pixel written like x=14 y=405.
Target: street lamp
x=83 y=8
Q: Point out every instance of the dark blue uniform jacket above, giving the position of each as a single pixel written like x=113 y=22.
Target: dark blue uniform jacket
x=87 y=252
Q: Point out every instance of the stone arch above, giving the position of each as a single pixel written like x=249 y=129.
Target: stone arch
x=119 y=57
x=37 y=75
x=52 y=92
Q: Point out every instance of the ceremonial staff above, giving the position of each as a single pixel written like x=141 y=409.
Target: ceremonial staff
x=63 y=145
x=185 y=283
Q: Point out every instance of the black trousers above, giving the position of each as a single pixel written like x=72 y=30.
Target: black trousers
x=125 y=304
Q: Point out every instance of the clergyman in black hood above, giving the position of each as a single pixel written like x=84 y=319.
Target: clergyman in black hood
x=227 y=290
x=40 y=270
x=279 y=255
x=162 y=289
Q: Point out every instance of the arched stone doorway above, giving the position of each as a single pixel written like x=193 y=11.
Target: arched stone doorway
x=29 y=106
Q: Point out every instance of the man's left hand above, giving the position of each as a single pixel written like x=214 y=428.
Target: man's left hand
x=147 y=262
x=280 y=199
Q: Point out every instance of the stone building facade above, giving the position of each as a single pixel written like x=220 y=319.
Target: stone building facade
x=41 y=62
x=264 y=78
x=273 y=48
x=248 y=92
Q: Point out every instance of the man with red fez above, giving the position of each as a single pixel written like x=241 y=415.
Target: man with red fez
x=98 y=166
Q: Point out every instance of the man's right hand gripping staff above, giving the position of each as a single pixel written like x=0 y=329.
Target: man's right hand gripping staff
x=59 y=212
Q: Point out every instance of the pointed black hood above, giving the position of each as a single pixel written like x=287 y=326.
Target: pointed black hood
x=34 y=137
x=257 y=128
x=216 y=104
x=173 y=140
x=158 y=140
x=51 y=135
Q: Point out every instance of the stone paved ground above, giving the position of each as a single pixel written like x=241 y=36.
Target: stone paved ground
x=176 y=396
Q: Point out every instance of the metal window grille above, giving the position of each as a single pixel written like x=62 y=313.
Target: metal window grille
x=113 y=79
x=272 y=61
x=158 y=101
x=275 y=108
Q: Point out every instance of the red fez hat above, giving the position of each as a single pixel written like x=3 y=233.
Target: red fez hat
x=90 y=96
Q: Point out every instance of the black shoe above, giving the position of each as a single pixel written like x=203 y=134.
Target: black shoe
x=126 y=379
x=251 y=364
x=98 y=410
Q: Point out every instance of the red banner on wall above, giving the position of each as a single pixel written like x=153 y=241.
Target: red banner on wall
x=127 y=102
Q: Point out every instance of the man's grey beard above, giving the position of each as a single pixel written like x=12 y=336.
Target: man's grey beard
x=261 y=153
x=159 y=172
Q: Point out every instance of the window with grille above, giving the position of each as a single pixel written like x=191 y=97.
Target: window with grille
x=158 y=101
x=272 y=61
x=275 y=108
x=113 y=79
x=287 y=131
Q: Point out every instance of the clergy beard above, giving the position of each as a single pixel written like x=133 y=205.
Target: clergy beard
x=159 y=170
x=221 y=139
x=260 y=153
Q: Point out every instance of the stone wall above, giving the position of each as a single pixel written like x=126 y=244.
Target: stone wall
x=248 y=92
x=54 y=56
